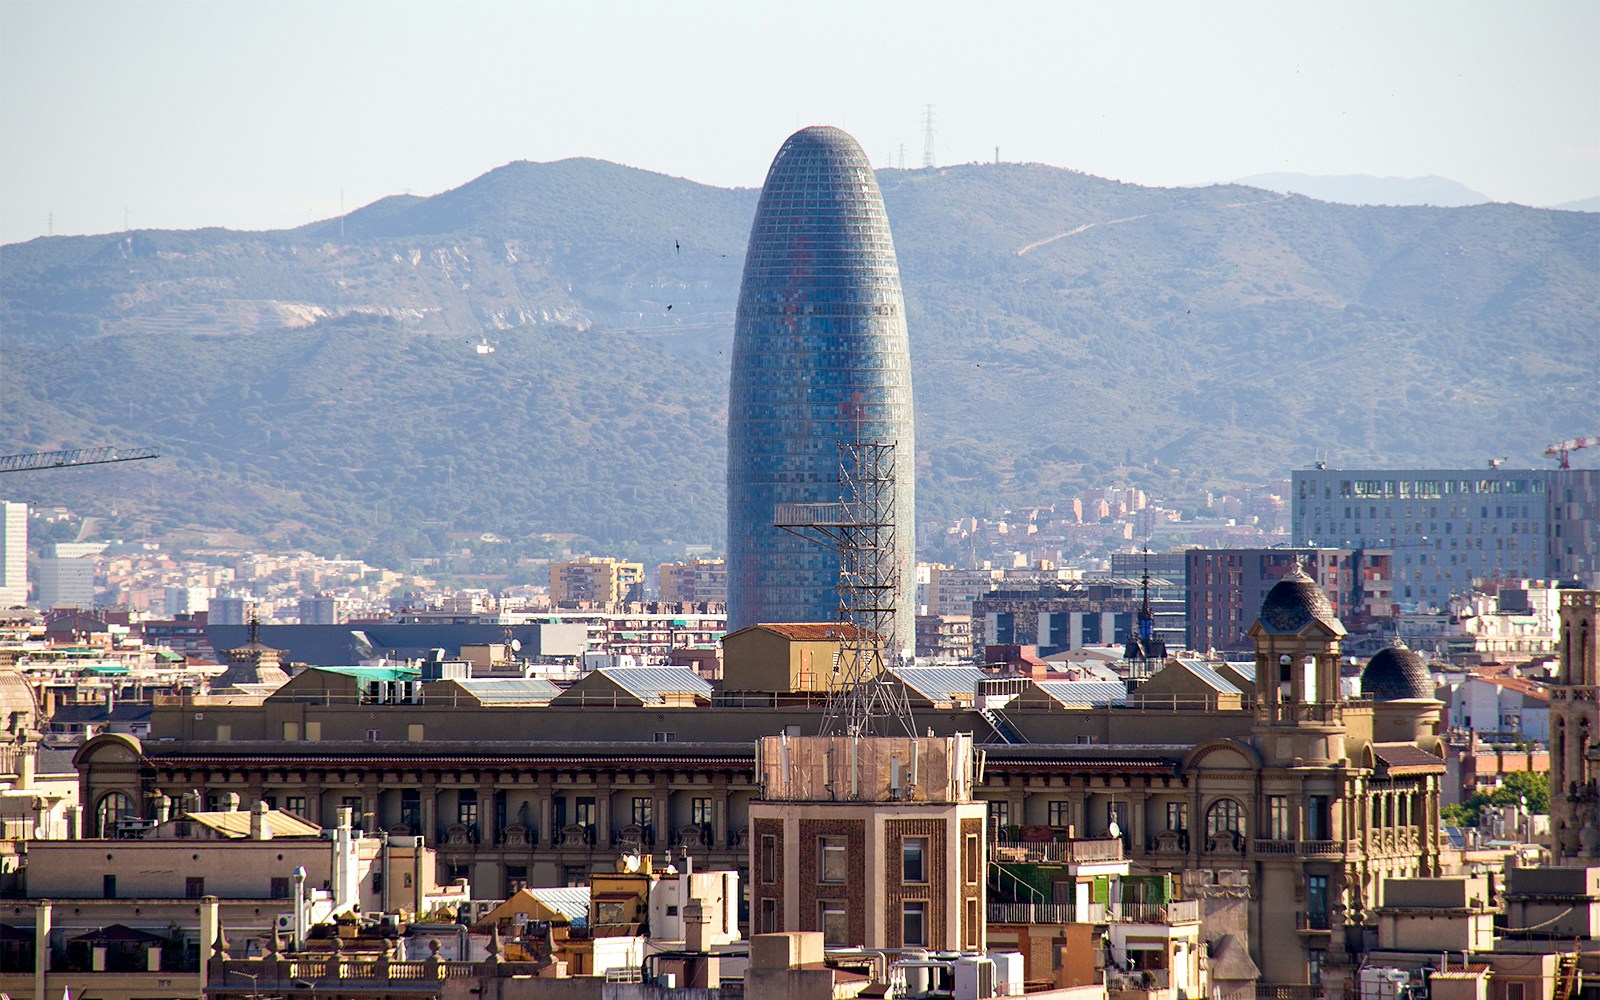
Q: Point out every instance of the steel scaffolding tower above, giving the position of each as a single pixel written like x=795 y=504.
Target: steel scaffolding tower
x=862 y=701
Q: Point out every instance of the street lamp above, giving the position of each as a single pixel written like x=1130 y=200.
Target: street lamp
x=299 y=907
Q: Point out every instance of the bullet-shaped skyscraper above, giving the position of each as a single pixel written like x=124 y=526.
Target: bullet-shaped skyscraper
x=820 y=356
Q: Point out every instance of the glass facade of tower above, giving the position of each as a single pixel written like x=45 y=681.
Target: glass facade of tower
x=820 y=356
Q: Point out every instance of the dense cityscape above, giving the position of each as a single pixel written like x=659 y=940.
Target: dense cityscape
x=1055 y=724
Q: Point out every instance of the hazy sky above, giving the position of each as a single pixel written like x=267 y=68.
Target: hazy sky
x=255 y=115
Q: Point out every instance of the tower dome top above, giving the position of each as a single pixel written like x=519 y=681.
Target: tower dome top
x=1295 y=602
x=1396 y=673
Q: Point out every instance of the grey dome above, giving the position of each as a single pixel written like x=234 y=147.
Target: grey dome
x=1396 y=673
x=1295 y=602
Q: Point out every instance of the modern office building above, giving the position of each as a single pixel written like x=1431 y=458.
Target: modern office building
x=820 y=358
x=1224 y=587
x=65 y=577
x=1448 y=528
x=13 y=553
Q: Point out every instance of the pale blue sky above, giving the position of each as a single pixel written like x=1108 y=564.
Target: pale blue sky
x=254 y=115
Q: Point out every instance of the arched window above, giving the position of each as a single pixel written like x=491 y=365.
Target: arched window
x=113 y=808
x=1225 y=824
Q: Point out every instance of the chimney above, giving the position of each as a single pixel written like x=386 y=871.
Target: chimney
x=230 y=802
x=260 y=823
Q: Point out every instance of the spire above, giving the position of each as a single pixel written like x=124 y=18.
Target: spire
x=1147 y=621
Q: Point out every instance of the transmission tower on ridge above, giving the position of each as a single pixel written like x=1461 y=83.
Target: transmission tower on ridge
x=861 y=528
x=927 y=136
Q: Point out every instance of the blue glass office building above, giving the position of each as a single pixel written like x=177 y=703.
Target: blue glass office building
x=819 y=346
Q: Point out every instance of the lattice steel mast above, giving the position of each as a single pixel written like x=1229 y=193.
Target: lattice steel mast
x=863 y=701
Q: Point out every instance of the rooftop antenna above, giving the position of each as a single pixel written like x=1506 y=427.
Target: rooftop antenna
x=927 y=136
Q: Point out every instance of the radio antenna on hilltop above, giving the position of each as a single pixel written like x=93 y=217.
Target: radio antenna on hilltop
x=927 y=136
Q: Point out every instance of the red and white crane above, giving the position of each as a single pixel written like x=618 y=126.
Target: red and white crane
x=1562 y=449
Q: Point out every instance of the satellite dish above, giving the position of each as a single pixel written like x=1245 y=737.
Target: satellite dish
x=1114 y=829
x=630 y=863
x=516 y=645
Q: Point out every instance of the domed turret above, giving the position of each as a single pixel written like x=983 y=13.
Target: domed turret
x=1396 y=674
x=1295 y=602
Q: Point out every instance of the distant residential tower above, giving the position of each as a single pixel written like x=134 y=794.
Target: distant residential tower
x=820 y=356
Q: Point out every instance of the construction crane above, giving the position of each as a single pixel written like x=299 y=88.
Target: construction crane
x=1561 y=449
x=67 y=459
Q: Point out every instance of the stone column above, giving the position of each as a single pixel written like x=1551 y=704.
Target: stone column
x=661 y=813
x=314 y=798
x=603 y=788
x=428 y=809
x=41 y=945
x=544 y=813
x=719 y=812
x=371 y=790
x=488 y=822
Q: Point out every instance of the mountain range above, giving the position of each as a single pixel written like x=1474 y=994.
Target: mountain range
x=543 y=352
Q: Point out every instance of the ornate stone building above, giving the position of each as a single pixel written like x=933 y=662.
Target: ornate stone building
x=1318 y=799
x=1574 y=726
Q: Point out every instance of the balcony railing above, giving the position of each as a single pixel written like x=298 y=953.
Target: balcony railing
x=1312 y=921
x=1055 y=851
x=1300 y=848
x=1177 y=911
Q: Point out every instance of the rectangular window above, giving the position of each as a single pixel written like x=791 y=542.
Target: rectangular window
x=643 y=811
x=516 y=878
x=700 y=812
x=374 y=735
x=353 y=803
x=279 y=887
x=769 y=915
x=1000 y=815
x=835 y=927
x=411 y=808
x=1317 y=825
x=583 y=812
x=467 y=807
x=914 y=925
x=194 y=888
x=1178 y=817
x=1314 y=961
x=295 y=804
x=1278 y=827
x=108 y=886
x=974 y=859
x=769 y=860
x=1317 y=900
x=914 y=859
x=1059 y=812
x=831 y=859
